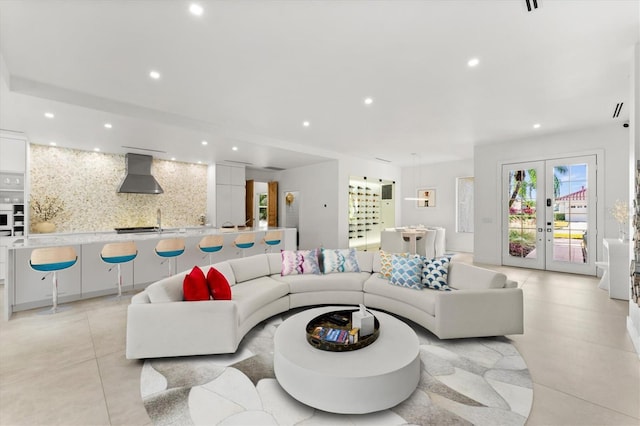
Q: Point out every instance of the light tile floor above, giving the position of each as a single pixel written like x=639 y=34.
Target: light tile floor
x=70 y=369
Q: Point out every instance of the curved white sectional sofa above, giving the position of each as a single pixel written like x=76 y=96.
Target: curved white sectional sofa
x=161 y=324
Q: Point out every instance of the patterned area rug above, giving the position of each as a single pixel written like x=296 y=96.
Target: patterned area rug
x=480 y=381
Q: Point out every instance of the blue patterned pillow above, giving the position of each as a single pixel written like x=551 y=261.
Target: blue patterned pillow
x=340 y=260
x=300 y=262
x=406 y=271
x=434 y=273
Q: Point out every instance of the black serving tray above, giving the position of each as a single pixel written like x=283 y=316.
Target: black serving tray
x=326 y=320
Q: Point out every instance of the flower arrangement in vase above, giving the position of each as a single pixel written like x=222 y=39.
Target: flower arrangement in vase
x=44 y=211
x=620 y=212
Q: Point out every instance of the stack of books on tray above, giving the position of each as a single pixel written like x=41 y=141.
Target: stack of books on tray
x=333 y=335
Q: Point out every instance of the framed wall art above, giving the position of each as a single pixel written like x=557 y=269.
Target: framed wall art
x=464 y=204
x=426 y=198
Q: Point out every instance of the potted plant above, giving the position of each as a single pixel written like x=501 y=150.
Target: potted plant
x=44 y=211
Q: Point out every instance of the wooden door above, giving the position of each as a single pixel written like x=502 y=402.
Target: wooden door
x=272 y=204
x=248 y=205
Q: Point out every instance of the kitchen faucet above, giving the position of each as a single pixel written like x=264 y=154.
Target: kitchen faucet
x=159 y=220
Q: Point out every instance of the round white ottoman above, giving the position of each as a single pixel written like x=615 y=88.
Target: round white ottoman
x=374 y=378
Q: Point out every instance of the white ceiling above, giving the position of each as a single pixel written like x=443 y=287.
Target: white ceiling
x=248 y=73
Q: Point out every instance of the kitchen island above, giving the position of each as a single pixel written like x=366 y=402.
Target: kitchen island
x=90 y=276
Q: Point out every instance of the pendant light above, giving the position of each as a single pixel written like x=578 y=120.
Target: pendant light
x=414 y=155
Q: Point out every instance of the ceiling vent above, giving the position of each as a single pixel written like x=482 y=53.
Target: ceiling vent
x=144 y=149
x=274 y=169
x=616 y=112
x=238 y=162
x=531 y=4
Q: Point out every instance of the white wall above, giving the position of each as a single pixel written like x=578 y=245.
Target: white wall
x=611 y=141
x=260 y=175
x=317 y=186
x=442 y=177
x=324 y=197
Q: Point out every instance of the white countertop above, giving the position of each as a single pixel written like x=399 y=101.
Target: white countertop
x=44 y=240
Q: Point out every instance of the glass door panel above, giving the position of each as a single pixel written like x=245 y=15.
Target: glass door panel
x=571 y=187
x=523 y=241
x=549 y=215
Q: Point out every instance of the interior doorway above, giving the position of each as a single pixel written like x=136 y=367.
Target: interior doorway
x=549 y=214
x=262 y=204
x=371 y=209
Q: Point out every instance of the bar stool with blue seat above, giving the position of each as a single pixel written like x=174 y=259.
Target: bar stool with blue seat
x=210 y=244
x=119 y=253
x=245 y=241
x=272 y=239
x=52 y=260
x=169 y=249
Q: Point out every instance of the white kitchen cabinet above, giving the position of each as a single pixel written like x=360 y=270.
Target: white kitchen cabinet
x=237 y=176
x=33 y=291
x=230 y=195
x=223 y=175
x=230 y=201
x=13 y=153
x=97 y=280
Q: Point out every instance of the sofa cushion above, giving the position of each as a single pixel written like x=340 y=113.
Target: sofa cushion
x=365 y=260
x=167 y=289
x=275 y=263
x=340 y=260
x=248 y=268
x=406 y=271
x=250 y=296
x=300 y=262
x=434 y=273
x=194 y=286
x=424 y=300
x=218 y=285
x=346 y=281
x=468 y=277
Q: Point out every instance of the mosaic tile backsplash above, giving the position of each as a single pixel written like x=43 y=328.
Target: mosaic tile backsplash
x=87 y=183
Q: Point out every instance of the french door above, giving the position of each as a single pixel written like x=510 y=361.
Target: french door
x=549 y=214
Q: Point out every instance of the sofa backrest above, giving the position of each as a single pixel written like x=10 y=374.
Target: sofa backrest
x=365 y=260
x=167 y=289
x=248 y=268
x=225 y=269
x=469 y=277
x=275 y=263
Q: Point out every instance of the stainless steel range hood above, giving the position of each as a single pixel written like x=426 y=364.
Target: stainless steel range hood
x=138 y=179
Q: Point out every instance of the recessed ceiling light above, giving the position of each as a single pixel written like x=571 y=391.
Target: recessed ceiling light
x=154 y=75
x=205 y=143
x=107 y=125
x=306 y=123
x=52 y=143
x=199 y=162
x=196 y=9
x=96 y=149
x=234 y=148
x=173 y=158
x=368 y=101
x=49 y=114
x=536 y=126
x=473 y=62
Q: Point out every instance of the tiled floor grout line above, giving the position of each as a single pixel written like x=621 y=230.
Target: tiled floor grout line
x=95 y=357
x=585 y=400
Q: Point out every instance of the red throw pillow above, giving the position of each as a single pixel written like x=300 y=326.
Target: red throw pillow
x=195 y=286
x=218 y=285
